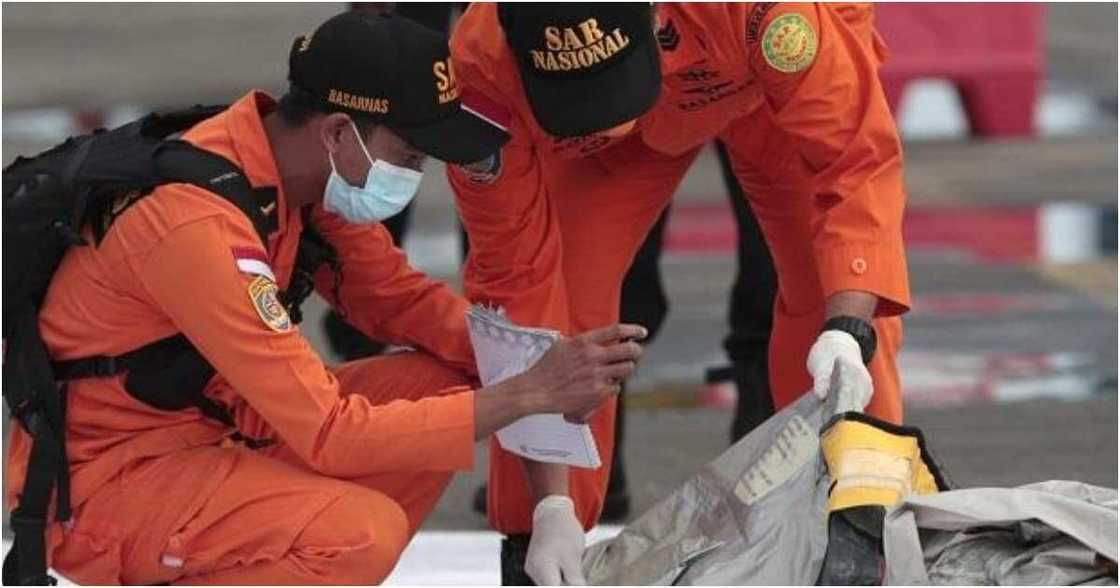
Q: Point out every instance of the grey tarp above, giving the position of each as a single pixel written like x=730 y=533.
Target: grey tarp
x=757 y=515
x=1039 y=534
x=754 y=515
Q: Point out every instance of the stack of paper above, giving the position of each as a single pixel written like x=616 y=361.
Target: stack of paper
x=503 y=349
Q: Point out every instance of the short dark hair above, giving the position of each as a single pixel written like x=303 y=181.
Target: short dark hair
x=297 y=106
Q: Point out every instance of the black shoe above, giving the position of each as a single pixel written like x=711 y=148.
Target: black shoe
x=514 y=550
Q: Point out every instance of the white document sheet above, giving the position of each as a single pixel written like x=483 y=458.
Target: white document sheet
x=503 y=349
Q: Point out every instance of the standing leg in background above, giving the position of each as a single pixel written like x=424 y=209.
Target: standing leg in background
x=751 y=312
x=643 y=302
x=345 y=340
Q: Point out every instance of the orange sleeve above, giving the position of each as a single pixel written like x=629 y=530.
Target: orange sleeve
x=820 y=77
x=193 y=278
x=389 y=300
x=515 y=248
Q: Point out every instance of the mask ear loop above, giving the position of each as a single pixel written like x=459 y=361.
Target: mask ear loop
x=361 y=142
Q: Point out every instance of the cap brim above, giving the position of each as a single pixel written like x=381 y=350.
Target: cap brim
x=459 y=138
x=575 y=106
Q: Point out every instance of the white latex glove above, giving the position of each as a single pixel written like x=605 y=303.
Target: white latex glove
x=555 y=555
x=837 y=351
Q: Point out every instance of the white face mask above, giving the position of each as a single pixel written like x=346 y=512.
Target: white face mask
x=387 y=190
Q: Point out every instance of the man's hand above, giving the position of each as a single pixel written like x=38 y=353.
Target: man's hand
x=573 y=378
x=838 y=351
x=556 y=548
x=578 y=373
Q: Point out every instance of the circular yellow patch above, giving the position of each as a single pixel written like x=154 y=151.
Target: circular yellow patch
x=789 y=43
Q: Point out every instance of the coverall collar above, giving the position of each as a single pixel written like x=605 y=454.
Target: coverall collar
x=250 y=143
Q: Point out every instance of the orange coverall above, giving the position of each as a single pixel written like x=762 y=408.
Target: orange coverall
x=793 y=92
x=363 y=451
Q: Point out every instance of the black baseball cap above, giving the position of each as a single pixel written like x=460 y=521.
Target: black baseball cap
x=585 y=67
x=393 y=71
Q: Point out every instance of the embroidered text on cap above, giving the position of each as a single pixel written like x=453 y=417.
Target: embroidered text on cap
x=579 y=47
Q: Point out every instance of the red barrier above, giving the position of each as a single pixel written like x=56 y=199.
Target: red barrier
x=993 y=52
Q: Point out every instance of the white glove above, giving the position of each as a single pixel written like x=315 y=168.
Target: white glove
x=555 y=554
x=837 y=351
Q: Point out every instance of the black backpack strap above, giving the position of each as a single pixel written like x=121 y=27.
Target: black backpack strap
x=101 y=366
x=40 y=408
x=133 y=157
x=169 y=374
x=314 y=251
x=179 y=161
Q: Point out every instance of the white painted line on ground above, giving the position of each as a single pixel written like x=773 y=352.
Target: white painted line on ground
x=447 y=558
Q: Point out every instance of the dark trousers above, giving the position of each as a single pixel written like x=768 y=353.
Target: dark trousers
x=750 y=313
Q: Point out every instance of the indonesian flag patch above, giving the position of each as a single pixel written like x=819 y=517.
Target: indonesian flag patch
x=252 y=261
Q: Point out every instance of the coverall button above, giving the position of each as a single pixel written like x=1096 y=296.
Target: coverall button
x=859 y=266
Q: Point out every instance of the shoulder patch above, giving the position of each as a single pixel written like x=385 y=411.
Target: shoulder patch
x=486 y=171
x=263 y=292
x=789 y=43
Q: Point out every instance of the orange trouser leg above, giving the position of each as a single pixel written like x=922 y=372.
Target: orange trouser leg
x=227 y=515
x=408 y=376
x=606 y=204
x=355 y=538
x=214 y=515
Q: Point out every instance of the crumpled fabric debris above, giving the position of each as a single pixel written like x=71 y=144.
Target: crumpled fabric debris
x=758 y=514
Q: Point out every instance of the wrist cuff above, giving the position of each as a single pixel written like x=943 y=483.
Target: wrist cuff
x=553 y=502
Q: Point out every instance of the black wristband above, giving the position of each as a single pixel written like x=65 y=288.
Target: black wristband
x=859 y=329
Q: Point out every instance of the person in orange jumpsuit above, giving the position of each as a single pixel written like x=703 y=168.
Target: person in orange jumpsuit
x=348 y=460
x=604 y=124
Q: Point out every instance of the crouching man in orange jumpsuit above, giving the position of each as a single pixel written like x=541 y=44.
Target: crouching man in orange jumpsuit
x=321 y=475
x=605 y=117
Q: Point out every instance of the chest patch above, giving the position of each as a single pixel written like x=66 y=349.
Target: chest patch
x=789 y=43
x=263 y=293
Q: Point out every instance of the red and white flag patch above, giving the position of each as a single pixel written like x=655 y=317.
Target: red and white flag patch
x=252 y=261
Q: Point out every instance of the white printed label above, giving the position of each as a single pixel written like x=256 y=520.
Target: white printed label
x=794 y=446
